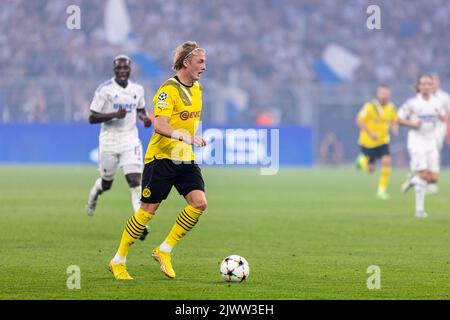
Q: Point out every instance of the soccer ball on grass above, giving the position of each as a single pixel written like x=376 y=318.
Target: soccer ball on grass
x=234 y=268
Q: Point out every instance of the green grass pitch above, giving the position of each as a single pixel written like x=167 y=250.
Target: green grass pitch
x=307 y=234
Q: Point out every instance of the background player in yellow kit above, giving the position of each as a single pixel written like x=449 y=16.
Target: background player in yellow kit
x=169 y=160
x=374 y=120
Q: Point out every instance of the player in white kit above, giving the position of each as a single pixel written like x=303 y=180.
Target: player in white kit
x=116 y=105
x=441 y=129
x=421 y=114
x=444 y=97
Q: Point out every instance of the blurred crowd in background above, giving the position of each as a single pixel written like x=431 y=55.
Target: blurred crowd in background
x=263 y=51
x=261 y=46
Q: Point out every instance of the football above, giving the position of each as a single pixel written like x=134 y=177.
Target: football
x=234 y=268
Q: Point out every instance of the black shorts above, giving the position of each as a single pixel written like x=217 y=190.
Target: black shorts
x=161 y=174
x=376 y=153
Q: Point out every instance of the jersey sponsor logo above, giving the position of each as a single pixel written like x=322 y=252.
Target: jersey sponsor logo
x=428 y=117
x=146 y=192
x=188 y=115
x=162 y=96
x=127 y=106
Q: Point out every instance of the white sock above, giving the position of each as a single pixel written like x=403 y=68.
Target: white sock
x=136 y=198
x=97 y=187
x=164 y=247
x=420 y=187
x=118 y=259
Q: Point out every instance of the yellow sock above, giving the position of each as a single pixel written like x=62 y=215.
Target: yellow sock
x=384 y=178
x=186 y=220
x=133 y=229
x=364 y=162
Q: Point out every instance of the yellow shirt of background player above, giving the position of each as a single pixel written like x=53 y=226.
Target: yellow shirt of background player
x=377 y=119
x=183 y=106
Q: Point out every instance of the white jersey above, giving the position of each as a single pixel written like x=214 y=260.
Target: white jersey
x=427 y=111
x=444 y=97
x=109 y=97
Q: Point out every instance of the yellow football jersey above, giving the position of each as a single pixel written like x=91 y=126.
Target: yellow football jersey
x=183 y=106
x=378 y=119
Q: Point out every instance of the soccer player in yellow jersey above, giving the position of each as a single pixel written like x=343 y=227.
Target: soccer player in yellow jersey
x=169 y=160
x=374 y=120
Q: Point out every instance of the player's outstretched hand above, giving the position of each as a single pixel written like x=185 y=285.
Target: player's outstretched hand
x=198 y=141
x=121 y=113
x=147 y=122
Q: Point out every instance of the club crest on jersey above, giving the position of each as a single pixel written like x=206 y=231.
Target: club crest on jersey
x=146 y=192
x=162 y=96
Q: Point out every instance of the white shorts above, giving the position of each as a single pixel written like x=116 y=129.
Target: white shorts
x=128 y=158
x=424 y=159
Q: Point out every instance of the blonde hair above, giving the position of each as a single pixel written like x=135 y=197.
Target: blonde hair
x=185 y=51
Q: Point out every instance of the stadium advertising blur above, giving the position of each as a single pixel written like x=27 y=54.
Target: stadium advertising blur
x=228 y=146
